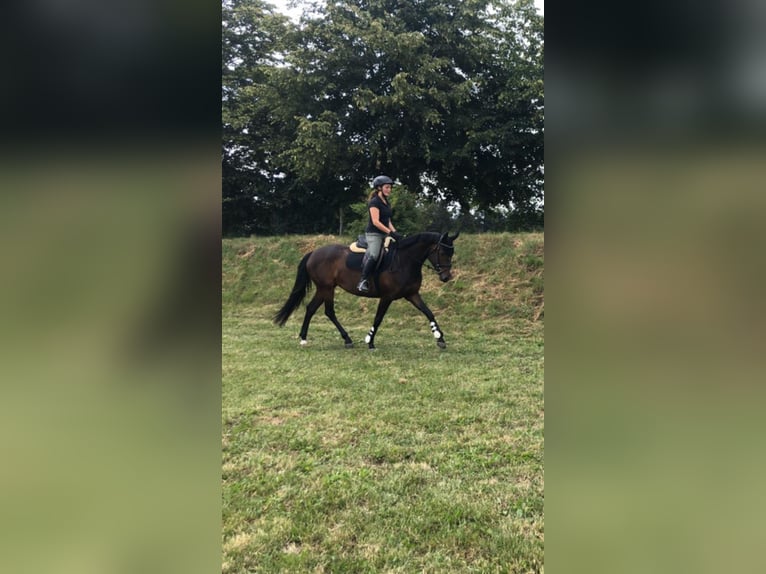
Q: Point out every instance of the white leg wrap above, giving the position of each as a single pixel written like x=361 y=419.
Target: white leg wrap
x=435 y=330
x=304 y=342
x=368 y=338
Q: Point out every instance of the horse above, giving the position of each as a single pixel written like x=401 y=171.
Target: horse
x=333 y=266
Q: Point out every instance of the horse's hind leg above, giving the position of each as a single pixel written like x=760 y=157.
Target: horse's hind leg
x=418 y=302
x=329 y=310
x=323 y=296
x=311 y=308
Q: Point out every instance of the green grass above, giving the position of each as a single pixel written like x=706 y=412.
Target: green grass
x=406 y=459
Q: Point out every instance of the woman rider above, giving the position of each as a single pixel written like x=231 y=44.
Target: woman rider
x=379 y=225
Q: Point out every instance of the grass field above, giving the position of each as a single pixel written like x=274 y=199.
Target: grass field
x=405 y=459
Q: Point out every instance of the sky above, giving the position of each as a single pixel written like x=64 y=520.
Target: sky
x=294 y=13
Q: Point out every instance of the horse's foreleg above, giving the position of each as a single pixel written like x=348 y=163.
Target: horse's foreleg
x=419 y=304
x=380 y=313
x=329 y=310
x=311 y=308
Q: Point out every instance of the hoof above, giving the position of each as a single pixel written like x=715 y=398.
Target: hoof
x=442 y=344
x=349 y=344
x=304 y=342
x=372 y=348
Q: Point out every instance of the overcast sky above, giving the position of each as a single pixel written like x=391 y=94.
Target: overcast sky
x=294 y=13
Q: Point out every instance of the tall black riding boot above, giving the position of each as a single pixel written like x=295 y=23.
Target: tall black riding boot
x=364 y=285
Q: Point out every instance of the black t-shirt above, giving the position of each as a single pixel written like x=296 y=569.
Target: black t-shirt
x=385 y=214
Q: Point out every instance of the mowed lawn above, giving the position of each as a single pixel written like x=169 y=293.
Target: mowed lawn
x=404 y=459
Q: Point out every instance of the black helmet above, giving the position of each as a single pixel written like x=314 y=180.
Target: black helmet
x=382 y=180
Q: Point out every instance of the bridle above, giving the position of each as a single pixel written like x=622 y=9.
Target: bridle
x=439 y=265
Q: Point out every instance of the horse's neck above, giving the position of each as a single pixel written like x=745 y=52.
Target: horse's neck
x=419 y=250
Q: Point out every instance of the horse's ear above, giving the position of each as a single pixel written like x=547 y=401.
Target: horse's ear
x=454 y=237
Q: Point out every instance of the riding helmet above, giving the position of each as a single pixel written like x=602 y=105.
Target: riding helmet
x=382 y=180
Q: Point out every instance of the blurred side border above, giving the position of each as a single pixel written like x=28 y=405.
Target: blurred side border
x=110 y=228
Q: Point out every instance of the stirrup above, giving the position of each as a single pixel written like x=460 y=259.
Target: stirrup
x=363 y=286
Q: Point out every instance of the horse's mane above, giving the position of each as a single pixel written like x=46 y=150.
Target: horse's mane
x=425 y=236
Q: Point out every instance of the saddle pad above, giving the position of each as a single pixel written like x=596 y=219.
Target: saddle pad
x=354 y=260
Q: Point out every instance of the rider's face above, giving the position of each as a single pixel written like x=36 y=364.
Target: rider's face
x=386 y=189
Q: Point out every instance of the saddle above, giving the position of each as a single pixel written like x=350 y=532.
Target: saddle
x=358 y=248
x=360 y=245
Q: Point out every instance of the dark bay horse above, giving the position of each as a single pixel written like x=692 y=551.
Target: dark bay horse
x=327 y=267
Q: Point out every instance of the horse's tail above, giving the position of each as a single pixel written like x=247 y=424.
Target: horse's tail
x=301 y=287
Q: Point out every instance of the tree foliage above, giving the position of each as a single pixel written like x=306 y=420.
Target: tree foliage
x=444 y=96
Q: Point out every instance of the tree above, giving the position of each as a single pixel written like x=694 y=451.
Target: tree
x=446 y=97
x=253 y=186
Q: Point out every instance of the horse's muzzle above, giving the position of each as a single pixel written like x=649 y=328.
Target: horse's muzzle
x=445 y=276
